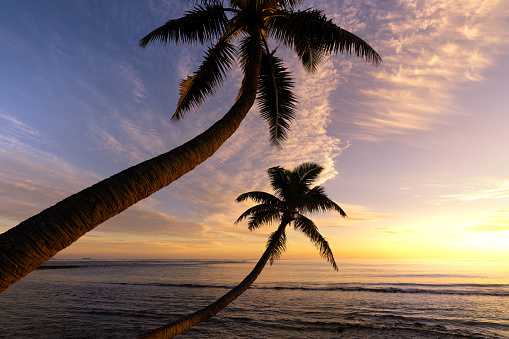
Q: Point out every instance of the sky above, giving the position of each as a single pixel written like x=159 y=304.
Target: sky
x=414 y=150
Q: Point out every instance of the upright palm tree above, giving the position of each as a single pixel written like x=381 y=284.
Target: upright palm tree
x=292 y=200
x=250 y=24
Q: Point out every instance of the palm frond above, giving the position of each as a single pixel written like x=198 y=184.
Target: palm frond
x=275 y=97
x=266 y=217
x=209 y=76
x=317 y=201
x=244 y=48
x=310 y=31
x=308 y=227
x=280 y=182
x=259 y=215
x=241 y=4
x=243 y=52
x=237 y=26
x=311 y=58
x=280 y=246
x=305 y=174
x=288 y=4
x=206 y=2
x=259 y=197
x=201 y=24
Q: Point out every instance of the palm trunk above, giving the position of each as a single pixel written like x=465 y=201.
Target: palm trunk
x=179 y=326
x=28 y=245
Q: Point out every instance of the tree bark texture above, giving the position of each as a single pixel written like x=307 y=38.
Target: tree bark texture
x=179 y=326
x=25 y=247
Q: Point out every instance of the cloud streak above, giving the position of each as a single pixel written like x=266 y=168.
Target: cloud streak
x=17 y=129
x=430 y=52
x=495 y=190
x=143 y=219
x=32 y=179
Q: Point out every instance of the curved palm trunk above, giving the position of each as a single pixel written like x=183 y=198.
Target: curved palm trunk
x=179 y=326
x=25 y=247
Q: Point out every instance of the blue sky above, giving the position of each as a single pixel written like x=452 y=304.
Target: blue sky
x=414 y=150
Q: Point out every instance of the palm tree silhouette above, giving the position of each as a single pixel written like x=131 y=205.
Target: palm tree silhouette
x=292 y=200
x=250 y=23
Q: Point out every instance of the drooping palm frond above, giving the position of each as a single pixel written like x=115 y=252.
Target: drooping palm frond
x=280 y=246
x=259 y=215
x=263 y=218
x=244 y=54
x=308 y=227
x=317 y=201
x=201 y=24
x=307 y=47
x=310 y=30
x=275 y=97
x=311 y=58
x=209 y=76
x=243 y=51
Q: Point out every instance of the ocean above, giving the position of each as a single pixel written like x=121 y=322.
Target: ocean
x=291 y=299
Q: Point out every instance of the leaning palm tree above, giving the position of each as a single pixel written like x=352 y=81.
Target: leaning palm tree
x=243 y=31
x=292 y=200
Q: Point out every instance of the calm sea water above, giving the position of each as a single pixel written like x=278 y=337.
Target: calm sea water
x=292 y=299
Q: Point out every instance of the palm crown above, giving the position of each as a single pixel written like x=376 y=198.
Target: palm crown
x=230 y=31
x=293 y=198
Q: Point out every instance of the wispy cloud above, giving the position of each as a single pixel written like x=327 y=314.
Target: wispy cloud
x=129 y=140
x=430 y=51
x=143 y=219
x=133 y=80
x=16 y=131
x=492 y=190
x=32 y=179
